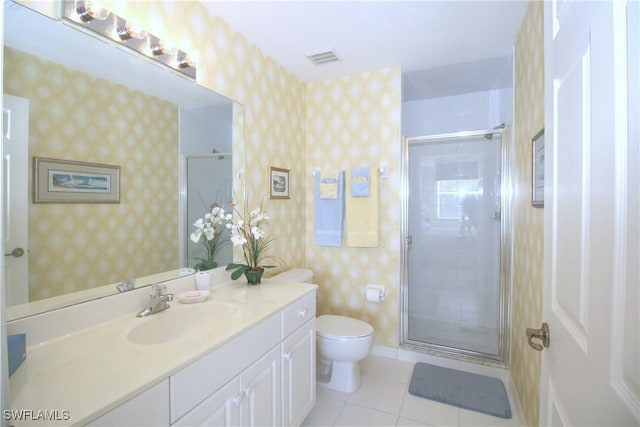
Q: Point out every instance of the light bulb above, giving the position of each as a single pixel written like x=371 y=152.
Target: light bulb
x=131 y=31
x=89 y=10
x=161 y=48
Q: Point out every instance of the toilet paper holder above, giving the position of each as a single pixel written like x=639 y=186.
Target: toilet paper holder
x=375 y=293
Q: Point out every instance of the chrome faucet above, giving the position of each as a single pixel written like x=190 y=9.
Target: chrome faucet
x=126 y=286
x=158 y=300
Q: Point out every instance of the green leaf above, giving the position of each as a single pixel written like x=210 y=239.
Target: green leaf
x=232 y=266
x=239 y=272
x=205 y=264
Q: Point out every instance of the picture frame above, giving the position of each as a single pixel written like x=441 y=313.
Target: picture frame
x=279 y=183
x=71 y=181
x=537 y=169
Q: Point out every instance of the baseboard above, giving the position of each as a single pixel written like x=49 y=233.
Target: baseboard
x=388 y=352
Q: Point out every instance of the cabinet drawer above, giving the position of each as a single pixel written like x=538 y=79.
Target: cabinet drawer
x=199 y=380
x=148 y=408
x=297 y=313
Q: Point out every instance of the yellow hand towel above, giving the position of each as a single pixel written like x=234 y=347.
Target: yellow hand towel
x=329 y=184
x=362 y=215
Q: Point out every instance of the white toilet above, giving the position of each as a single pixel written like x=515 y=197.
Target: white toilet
x=341 y=343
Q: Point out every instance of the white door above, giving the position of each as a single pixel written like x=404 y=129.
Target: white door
x=15 y=139
x=590 y=372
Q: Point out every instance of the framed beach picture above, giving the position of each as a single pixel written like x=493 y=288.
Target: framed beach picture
x=537 y=170
x=70 y=181
x=279 y=179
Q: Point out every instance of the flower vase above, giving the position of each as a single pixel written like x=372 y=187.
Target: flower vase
x=254 y=276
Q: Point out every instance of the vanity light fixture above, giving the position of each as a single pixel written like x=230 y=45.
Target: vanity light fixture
x=90 y=15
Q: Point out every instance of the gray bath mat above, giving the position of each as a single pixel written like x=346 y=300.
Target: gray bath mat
x=463 y=389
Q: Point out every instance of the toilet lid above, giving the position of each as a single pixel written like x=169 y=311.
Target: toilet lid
x=338 y=327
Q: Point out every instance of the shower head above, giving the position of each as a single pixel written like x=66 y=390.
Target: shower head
x=490 y=135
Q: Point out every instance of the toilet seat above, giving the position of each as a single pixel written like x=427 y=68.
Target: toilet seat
x=334 y=327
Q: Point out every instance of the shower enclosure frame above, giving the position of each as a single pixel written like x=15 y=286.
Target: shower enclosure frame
x=506 y=247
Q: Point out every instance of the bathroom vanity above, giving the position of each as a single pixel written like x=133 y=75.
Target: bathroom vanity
x=246 y=356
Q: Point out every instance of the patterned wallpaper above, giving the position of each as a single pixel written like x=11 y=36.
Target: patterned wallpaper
x=351 y=122
x=75 y=122
x=527 y=221
x=273 y=101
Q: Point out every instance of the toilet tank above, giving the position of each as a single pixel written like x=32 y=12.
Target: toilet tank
x=295 y=275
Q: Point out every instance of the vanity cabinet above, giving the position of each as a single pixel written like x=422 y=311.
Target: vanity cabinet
x=251 y=399
x=276 y=388
x=244 y=357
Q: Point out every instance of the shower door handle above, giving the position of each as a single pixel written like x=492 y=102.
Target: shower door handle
x=409 y=241
x=542 y=334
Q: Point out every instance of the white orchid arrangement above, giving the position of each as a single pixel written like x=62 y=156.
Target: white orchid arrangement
x=210 y=231
x=248 y=231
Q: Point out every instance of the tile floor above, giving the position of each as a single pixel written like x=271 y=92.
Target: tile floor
x=384 y=400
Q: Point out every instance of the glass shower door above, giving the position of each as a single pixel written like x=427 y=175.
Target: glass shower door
x=454 y=229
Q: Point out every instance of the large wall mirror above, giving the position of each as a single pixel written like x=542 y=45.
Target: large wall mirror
x=177 y=146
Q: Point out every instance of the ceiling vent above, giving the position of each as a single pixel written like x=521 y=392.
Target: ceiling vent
x=322 y=56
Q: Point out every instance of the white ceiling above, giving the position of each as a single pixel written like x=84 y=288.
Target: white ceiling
x=443 y=47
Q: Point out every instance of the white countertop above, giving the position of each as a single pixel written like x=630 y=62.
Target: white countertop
x=93 y=370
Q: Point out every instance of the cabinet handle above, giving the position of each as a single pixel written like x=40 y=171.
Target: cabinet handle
x=248 y=392
x=287 y=356
x=303 y=312
x=237 y=400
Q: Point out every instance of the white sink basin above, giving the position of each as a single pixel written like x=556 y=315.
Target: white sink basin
x=174 y=323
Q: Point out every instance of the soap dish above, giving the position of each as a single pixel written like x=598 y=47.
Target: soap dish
x=193 y=296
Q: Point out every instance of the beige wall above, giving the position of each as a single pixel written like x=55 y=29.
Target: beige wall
x=351 y=122
x=76 y=122
x=527 y=221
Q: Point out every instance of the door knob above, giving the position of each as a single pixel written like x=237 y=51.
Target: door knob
x=542 y=334
x=17 y=252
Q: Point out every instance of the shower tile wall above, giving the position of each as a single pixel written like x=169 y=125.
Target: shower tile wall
x=471 y=111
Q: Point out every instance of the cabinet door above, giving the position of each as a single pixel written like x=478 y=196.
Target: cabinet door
x=299 y=373
x=220 y=409
x=262 y=391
